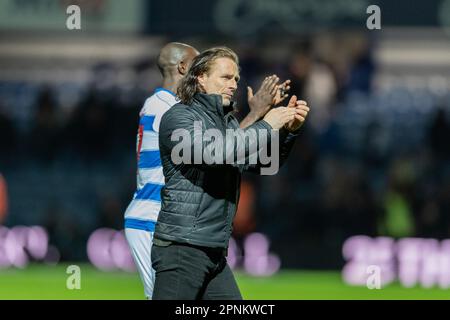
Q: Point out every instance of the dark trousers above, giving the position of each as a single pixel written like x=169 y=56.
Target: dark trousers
x=186 y=272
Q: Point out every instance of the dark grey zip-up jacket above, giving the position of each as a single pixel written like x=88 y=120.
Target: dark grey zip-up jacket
x=199 y=201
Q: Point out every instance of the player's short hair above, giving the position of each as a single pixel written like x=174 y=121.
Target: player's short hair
x=201 y=64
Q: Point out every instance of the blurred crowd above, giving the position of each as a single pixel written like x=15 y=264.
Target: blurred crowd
x=367 y=162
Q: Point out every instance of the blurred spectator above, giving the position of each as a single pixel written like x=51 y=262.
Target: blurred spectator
x=313 y=81
x=8 y=138
x=362 y=69
x=439 y=134
x=299 y=69
x=374 y=147
x=45 y=136
x=320 y=92
x=66 y=231
x=89 y=130
x=398 y=219
x=110 y=212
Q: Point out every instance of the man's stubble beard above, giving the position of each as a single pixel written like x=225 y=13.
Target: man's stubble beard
x=225 y=102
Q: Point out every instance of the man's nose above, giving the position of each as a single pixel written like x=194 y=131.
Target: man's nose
x=233 y=85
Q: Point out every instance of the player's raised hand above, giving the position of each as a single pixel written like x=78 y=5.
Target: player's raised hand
x=263 y=99
x=301 y=112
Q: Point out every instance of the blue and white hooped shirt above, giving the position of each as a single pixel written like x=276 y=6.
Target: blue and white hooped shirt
x=142 y=212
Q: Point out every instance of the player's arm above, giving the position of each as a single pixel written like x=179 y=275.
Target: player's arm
x=287 y=133
x=181 y=136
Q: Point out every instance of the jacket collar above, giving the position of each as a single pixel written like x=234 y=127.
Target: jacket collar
x=213 y=102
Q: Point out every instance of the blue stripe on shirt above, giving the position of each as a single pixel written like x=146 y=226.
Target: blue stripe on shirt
x=149 y=159
x=150 y=191
x=147 y=122
x=140 y=224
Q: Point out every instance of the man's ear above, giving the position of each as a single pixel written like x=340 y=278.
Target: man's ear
x=182 y=68
x=201 y=80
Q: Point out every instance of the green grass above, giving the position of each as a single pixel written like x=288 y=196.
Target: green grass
x=49 y=282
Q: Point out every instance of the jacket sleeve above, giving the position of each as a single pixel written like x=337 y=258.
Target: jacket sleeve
x=279 y=152
x=183 y=135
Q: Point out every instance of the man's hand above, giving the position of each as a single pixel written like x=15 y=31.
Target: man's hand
x=282 y=92
x=280 y=116
x=263 y=99
x=301 y=112
x=270 y=94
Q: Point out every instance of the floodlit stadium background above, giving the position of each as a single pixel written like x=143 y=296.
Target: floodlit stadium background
x=368 y=183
